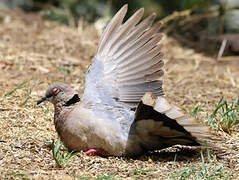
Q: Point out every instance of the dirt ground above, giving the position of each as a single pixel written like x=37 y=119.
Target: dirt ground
x=37 y=52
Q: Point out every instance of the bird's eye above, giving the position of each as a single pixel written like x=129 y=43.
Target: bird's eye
x=55 y=91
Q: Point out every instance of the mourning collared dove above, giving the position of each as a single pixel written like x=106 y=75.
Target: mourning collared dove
x=123 y=111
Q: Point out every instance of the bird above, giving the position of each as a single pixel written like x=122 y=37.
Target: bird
x=123 y=110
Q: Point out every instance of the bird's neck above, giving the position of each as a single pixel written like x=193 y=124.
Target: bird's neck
x=60 y=116
x=59 y=107
x=63 y=107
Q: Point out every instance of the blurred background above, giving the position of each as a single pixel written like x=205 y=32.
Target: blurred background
x=210 y=26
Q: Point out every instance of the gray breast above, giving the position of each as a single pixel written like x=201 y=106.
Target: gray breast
x=116 y=115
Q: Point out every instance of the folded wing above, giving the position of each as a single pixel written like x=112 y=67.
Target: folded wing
x=158 y=125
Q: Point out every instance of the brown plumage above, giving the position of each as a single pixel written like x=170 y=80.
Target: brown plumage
x=127 y=66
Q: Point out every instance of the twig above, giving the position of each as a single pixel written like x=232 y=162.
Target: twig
x=175 y=15
x=222 y=48
x=197 y=17
x=189 y=21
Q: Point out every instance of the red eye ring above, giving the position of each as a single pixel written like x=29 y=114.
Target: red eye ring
x=55 y=91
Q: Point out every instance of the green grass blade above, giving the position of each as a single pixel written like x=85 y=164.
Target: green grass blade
x=19 y=86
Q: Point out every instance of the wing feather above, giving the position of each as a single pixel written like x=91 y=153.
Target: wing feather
x=134 y=35
x=112 y=27
x=128 y=62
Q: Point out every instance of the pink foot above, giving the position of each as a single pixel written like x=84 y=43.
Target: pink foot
x=96 y=152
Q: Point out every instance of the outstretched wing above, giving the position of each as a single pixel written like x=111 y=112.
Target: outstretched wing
x=128 y=62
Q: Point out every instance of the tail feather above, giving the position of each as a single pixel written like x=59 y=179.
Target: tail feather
x=199 y=131
x=159 y=125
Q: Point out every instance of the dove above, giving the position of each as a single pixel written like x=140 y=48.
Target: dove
x=123 y=111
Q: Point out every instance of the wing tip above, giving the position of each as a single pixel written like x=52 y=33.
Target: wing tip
x=141 y=10
x=124 y=7
x=122 y=12
x=159 y=24
x=151 y=17
x=153 y=14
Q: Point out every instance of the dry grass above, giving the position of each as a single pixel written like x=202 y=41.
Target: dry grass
x=36 y=52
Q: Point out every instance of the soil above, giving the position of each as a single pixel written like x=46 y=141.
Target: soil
x=37 y=52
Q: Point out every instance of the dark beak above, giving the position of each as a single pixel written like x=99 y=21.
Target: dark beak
x=41 y=100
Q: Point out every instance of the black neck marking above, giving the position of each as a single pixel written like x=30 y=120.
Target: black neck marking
x=73 y=100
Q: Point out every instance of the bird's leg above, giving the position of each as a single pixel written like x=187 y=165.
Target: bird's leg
x=96 y=152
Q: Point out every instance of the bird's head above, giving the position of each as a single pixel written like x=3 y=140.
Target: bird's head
x=60 y=93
